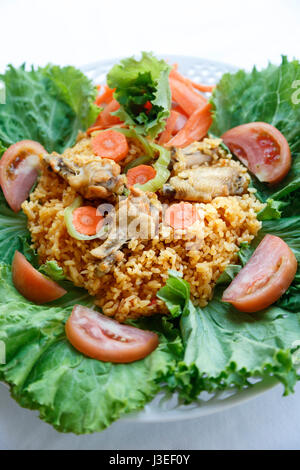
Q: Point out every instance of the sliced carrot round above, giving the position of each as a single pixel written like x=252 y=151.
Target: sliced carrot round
x=110 y=144
x=140 y=175
x=181 y=216
x=86 y=220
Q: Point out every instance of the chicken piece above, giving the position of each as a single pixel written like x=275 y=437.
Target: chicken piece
x=132 y=219
x=204 y=183
x=190 y=157
x=98 y=179
x=204 y=153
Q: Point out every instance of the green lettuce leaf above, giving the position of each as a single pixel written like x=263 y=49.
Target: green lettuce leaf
x=72 y=392
x=269 y=96
x=272 y=210
x=2 y=149
x=52 y=270
x=224 y=347
x=286 y=228
x=14 y=234
x=138 y=82
x=49 y=105
x=229 y=274
x=265 y=95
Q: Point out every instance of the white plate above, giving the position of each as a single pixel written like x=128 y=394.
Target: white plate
x=163 y=409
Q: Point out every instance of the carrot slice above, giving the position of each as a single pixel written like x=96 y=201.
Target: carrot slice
x=199 y=86
x=105 y=97
x=177 y=108
x=170 y=127
x=110 y=144
x=187 y=98
x=140 y=175
x=181 y=216
x=86 y=220
x=195 y=128
x=106 y=117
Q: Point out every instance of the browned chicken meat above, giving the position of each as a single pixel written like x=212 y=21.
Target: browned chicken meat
x=204 y=183
x=206 y=152
x=204 y=170
x=132 y=219
x=94 y=178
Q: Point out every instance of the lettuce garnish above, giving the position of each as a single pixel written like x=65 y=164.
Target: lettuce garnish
x=209 y=348
x=72 y=392
x=138 y=83
x=268 y=95
x=49 y=105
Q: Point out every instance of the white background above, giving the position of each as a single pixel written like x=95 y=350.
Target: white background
x=78 y=32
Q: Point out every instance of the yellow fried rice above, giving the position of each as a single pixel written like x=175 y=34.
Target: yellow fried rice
x=129 y=289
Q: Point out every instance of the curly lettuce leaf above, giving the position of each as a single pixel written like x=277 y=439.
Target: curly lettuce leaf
x=265 y=95
x=272 y=210
x=52 y=270
x=224 y=347
x=138 y=82
x=49 y=105
x=2 y=149
x=72 y=392
x=72 y=87
x=269 y=96
x=14 y=234
x=229 y=274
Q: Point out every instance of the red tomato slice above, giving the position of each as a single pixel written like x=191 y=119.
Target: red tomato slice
x=261 y=148
x=32 y=284
x=19 y=167
x=102 y=338
x=264 y=279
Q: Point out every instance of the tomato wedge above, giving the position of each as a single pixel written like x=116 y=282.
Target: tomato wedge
x=102 y=338
x=264 y=279
x=32 y=284
x=19 y=167
x=262 y=149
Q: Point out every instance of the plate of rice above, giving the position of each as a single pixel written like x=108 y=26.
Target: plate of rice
x=149 y=241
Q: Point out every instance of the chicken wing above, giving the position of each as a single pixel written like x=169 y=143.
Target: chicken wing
x=98 y=179
x=204 y=183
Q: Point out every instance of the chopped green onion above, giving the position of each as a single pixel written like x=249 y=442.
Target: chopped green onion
x=68 y=215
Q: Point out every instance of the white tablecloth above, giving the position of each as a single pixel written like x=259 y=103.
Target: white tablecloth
x=78 y=32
